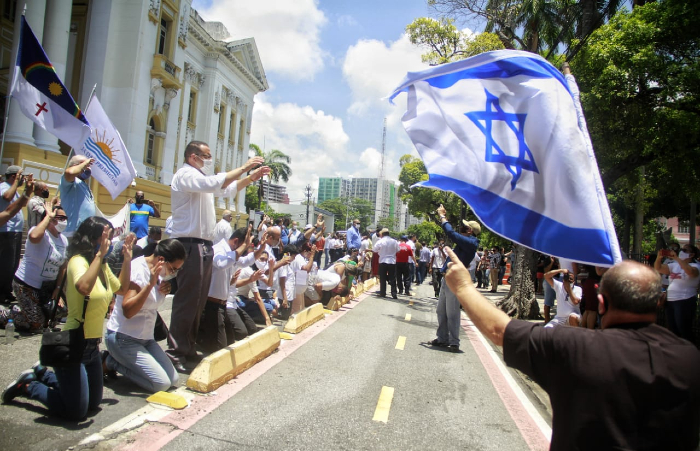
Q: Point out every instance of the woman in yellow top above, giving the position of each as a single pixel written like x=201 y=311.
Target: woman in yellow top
x=70 y=392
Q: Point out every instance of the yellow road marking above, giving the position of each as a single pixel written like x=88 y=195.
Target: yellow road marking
x=410 y=302
x=401 y=343
x=384 y=404
x=286 y=336
x=408 y=317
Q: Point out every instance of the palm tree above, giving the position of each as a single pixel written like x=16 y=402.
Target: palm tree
x=278 y=163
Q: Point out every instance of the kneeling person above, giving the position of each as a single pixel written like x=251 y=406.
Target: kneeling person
x=131 y=348
x=568 y=298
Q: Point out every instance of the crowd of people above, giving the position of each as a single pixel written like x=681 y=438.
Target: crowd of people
x=229 y=282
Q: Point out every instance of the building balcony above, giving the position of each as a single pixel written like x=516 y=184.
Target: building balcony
x=167 y=71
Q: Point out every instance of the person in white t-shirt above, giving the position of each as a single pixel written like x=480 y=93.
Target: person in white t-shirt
x=568 y=298
x=37 y=276
x=131 y=348
x=297 y=273
x=683 y=272
x=223 y=229
x=437 y=261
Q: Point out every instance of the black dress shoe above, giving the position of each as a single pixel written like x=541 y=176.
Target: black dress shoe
x=394 y=296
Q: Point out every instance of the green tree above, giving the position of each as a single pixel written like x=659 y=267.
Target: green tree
x=279 y=167
x=345 y=210
x=445 y=43
x=427 y=232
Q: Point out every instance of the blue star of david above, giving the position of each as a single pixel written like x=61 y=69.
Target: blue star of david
x=494 y=153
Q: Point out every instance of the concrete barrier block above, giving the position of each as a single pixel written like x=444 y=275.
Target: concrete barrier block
x=304 y=318
x=334 y=304
x=220 y=367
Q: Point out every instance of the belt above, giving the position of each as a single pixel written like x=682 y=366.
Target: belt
x=195 y=241
x=216 y=301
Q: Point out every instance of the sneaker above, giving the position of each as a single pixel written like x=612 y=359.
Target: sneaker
x=39 y=370
x=438 y=343
x=18 y=387
x=453 y=348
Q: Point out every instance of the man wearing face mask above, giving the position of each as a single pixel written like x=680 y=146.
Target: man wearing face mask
x=642 y=392
x=354 y=241
x=194 y=218
x=35 y=206
x=76 y=196
x=10 y=232
x=141 y=210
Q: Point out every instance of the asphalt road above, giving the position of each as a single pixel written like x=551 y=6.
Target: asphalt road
x=321 y=396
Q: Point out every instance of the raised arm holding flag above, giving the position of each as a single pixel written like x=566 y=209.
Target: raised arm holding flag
x=501 y=131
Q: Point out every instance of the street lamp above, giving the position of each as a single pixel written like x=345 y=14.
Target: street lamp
x=347 y=204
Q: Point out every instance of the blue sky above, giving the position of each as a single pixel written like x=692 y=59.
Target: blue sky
x=328 y=64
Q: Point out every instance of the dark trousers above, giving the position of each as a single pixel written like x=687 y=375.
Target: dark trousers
x=403 y=277
x=72 y=391
x=680 y=316
x=437 y=280
x=317 y=258
x=387 y=273
x=422 y=271
x=10 y=249
x=412 y=271
x=193 y=282
x=222 y=326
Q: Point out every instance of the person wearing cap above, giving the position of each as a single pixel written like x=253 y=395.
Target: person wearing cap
x=11 y=231
x=465 y=245
x=76 y=197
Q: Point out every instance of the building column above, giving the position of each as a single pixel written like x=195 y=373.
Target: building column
x=55 y=43
x=19 y=127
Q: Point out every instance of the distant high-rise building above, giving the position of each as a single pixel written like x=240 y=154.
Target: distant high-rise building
x=275 y=193
x=381 y=193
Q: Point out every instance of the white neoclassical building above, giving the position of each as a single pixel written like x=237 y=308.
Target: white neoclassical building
x=163 y=75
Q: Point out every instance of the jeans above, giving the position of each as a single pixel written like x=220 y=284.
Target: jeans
x=250 y=306
x=501 y=274
x=142 y=361
x=422 y=271
x=71 y=392
x=448 y=317
x=412 y=271
x=680 y=315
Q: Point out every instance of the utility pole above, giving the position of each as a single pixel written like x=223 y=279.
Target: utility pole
x=308 y=201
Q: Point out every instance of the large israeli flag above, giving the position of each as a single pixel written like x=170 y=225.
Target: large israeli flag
x=501 y=131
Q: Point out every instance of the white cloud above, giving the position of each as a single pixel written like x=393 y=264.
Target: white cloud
x=287 y=33
x=313 y=139
x=372 y=69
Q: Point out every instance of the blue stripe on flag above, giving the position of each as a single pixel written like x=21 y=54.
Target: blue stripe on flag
x=501 y=69
x=100 y=155
x=528 y=227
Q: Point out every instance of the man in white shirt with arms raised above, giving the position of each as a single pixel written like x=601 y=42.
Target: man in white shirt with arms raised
x=192 y=198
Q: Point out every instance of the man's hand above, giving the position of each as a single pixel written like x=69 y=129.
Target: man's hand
x=151 y=203
x=254 y=161
x=320 y=221
x=457 y=276
x=441 y=211
x=259 y=173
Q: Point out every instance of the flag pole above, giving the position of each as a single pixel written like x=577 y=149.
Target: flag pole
x=72 y=151
x=600 y=189
x=9 y=97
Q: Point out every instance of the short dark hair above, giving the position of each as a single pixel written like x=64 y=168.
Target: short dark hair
x=154 y=229
x=291 y=249
x=194 y=147
x=171 y=250
x=638 y=294
x=239 y=233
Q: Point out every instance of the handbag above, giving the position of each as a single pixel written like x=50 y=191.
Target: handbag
x=160 y=330
x=64 y=348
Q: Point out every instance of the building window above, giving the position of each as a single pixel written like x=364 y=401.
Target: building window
x=151 y=143
x=232 y=128
x=192 y=108
x=683 y=226
x=222 y=120
x=163 y=36
x=9 y=9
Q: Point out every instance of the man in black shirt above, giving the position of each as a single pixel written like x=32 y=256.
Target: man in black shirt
x=631 y=385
